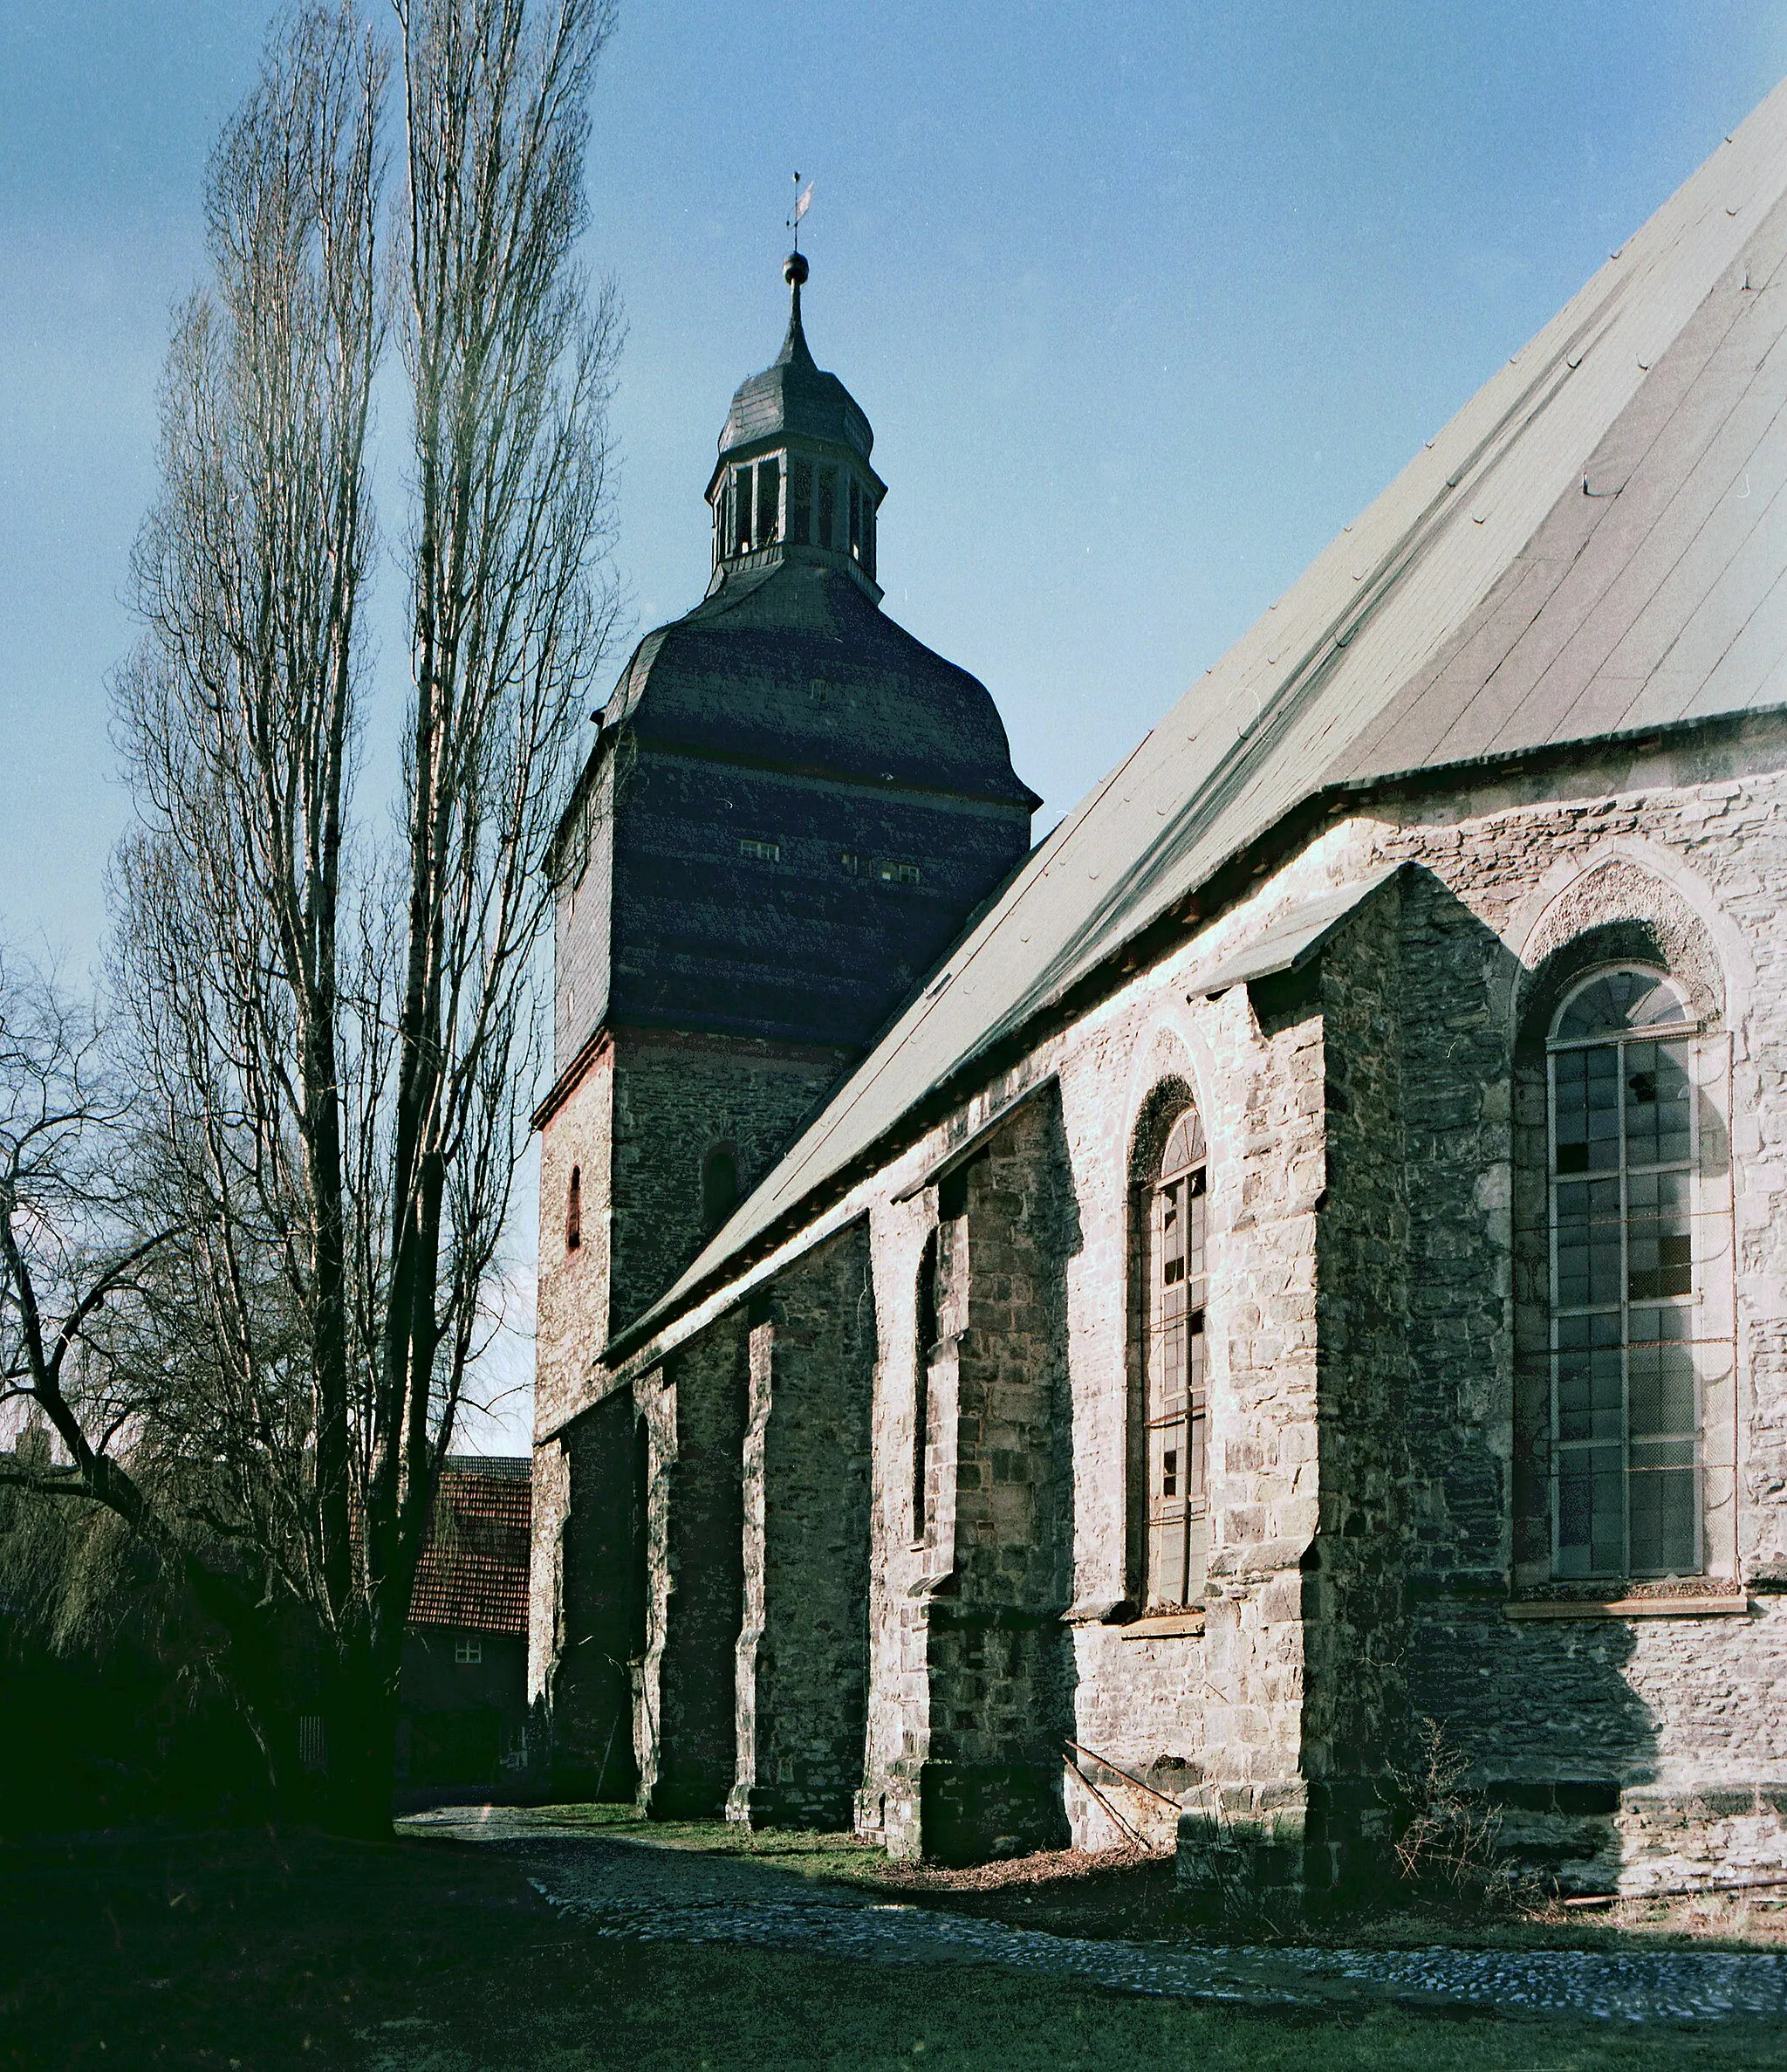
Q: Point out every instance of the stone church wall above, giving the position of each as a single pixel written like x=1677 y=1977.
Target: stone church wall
x=1363 y=1119
x=1620 y=1746
x=590 y=1547
x=802 y=1679
x=676 y=1099
x=684 y=1724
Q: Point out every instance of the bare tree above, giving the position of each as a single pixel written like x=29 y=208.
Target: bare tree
x=337 y=1035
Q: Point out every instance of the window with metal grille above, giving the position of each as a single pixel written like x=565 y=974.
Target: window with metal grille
x=1174 y=1379
x=1625 y=1408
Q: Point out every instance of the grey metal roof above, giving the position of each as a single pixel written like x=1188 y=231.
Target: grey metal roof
x=1487 y=601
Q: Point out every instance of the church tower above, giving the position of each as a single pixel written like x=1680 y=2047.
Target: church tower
x=791 y=810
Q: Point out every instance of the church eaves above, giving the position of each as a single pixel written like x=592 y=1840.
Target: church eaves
x=1596 y=544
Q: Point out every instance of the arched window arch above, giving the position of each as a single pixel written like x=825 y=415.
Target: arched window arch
x=1168 y=1450
x=573 y=1211
x=1627 y=1316
x=719 y=1186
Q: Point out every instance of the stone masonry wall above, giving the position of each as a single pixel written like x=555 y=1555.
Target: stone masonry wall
x=998 y=1658
x=1355 y=1638
x=1363 y=1178
x=676 y=1098
x=802 y=1649
x=685 y=1724
x=1622 y=1747
x=594 y=1550
x=572 y=1325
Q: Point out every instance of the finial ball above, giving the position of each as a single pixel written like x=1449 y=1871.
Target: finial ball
x=794 y=268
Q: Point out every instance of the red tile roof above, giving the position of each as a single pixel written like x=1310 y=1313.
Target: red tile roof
x=473 y=1574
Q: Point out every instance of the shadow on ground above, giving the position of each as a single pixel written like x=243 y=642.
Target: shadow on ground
x=242 y=1951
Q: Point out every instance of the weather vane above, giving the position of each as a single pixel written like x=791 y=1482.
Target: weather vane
x=803 y=201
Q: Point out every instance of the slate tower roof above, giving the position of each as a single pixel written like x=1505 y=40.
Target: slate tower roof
x=793 y=395
x=794 y=806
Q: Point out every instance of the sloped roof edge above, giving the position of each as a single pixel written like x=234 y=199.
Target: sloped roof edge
x=1253 y=740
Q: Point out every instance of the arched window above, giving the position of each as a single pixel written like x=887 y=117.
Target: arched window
x=719 y=1186
x=1626 y=1413
x=1175 y=1399
x=573 y=1211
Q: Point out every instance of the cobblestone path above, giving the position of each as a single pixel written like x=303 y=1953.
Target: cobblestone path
x=630 y=1888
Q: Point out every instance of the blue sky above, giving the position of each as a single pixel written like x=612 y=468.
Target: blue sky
x=1143 y=302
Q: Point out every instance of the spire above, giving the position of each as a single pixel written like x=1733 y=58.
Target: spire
x=793 y=473
x=793 y=398
x=794 y=346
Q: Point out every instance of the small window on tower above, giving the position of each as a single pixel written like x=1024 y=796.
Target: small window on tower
x=769 y=499
x=742 y=481
x=868 y=537
x=901 y=874
x=855 y=519
x=800 y=500
x=719 y=1186
x=828 y=507
x=759 y=852
x=573 y=1211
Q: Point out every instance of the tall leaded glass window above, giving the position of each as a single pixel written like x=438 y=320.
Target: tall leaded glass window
x=1174 y=1381
x=1627 y=1309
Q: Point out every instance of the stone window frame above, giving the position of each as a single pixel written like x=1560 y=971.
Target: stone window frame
x=1670 y=945
x=1168 y=1103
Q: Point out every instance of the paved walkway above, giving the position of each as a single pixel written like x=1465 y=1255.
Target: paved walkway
x=627 y=1886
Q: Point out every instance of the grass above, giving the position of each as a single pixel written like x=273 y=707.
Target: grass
x=243 y=1951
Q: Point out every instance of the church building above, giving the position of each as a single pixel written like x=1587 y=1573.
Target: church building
x=1039 y=1346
